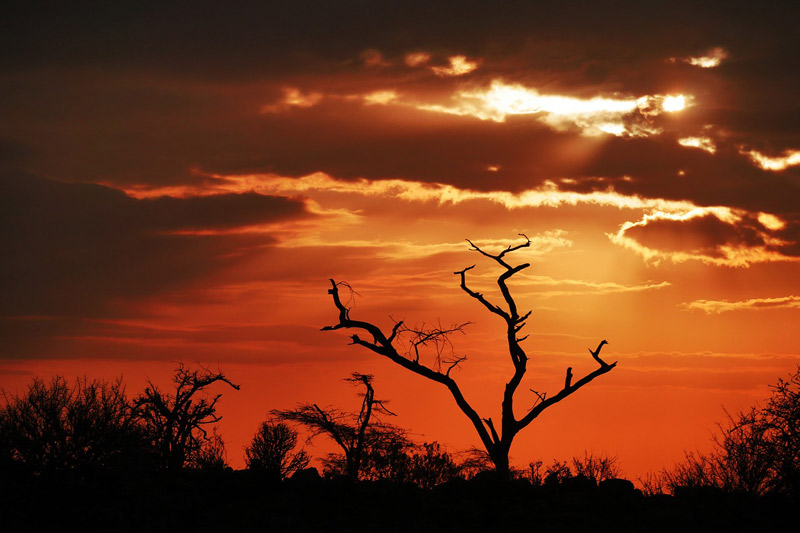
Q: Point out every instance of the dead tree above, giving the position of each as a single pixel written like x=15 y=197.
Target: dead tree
x=175 y=422
x=497 y=441
x=354 y=433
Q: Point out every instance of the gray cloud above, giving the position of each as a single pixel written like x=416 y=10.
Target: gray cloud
x=74 y=248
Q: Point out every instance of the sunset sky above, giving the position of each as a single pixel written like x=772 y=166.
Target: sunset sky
x=178 y=183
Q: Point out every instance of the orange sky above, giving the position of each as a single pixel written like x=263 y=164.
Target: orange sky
x=165 y=197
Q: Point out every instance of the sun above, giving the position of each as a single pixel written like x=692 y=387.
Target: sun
x=672 y=104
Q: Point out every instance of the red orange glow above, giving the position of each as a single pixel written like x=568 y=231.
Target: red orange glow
x=172 y=202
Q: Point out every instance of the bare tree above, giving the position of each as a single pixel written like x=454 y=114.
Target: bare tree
x=496 y=441
x=175 y=422
x=272 y=450
x=354 y=433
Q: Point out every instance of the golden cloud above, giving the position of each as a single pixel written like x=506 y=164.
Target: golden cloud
x=710 y=59
x=564 y=287
x=732 y=241
x=541 y=244
x=380 y=97
x=735 y=237
x=593 y=116
x=789 y=158
x=723 y=306
x=458 y=66
x=292 y=97
x=415 y=59
x=703 y=143
x=771 y=221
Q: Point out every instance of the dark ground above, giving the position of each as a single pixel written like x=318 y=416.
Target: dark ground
x=228 y=500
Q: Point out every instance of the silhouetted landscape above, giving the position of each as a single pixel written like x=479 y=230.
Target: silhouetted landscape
x=404 y=265
x=83 y=455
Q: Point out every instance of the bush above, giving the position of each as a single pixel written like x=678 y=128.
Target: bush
x=55 y=427
x=272 y=450
x=755 y=452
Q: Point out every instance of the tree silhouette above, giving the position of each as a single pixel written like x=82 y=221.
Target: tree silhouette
x=354 y=433
x=55 y=427
x=780 y=419
x=757 y=451
x=212 y=454
x=175 y=422
x=496 y=441
x=430 y=465
x=272 y=450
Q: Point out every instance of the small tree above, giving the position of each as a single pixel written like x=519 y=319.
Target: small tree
x=175 y=422
x=354 y=433
x=55 y=427
x=496 y=441
x=272 y=450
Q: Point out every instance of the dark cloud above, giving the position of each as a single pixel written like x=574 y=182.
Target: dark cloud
x=247 y=39
x=67 y=337
x=76 y=248
x=138 y=92
x=708 y=236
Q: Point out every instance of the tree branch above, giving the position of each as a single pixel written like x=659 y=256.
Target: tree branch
x=490 y=425
x=382 y=346
x=568 y=389
x=497 y=310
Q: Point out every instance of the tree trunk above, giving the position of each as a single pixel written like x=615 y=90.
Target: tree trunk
x=500 y=459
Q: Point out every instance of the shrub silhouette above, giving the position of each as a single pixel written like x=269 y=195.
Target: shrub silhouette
x=57 y=427
x=272 y=450
x=756 y=451
x=212 y=454
x=594 y=467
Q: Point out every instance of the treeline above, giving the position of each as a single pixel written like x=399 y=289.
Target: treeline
x=92 y=426
x=87 y=427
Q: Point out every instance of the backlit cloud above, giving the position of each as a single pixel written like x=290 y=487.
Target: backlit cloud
x=292 y=97
x=592 y=116
x=718 y=236
x=373 y=58
x=415 y=59
x=710 y=59
x=380 y=97
x=546 y=286
x=771 y=221
x=703 y=143
x=789 y=158
x=724 y=306
x=541 y=244
x=674 y=230
x=458 y=66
